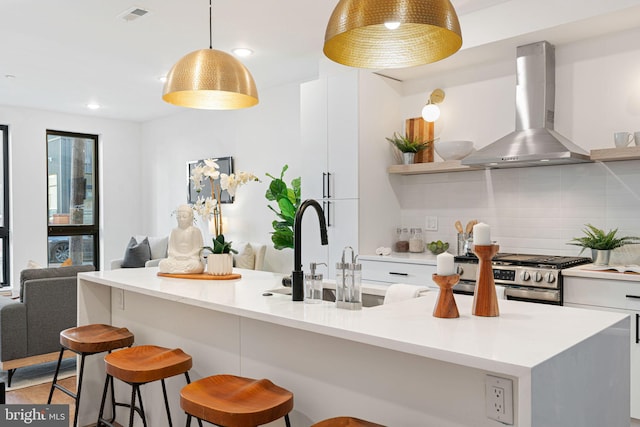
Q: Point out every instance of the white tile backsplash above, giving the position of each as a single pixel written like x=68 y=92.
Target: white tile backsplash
x=531 y=210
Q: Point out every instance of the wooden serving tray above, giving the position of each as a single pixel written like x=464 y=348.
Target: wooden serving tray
x=202 y=276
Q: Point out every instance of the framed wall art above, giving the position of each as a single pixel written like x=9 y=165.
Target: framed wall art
x=225 y=166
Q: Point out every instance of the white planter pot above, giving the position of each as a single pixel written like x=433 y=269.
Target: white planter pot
x=219 y=264
x=600 y=257
x=407 y=158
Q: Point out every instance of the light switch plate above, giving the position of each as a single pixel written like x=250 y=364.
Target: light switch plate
x=431 y=223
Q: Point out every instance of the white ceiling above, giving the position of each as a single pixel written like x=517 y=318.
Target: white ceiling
x=67 y=53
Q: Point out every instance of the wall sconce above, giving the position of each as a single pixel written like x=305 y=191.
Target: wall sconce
x=431 y=111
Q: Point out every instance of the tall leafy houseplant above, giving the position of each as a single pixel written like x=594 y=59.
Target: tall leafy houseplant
x=288 y=201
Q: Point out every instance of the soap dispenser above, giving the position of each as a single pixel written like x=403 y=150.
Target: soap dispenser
x=313 y=284
x=348 y=282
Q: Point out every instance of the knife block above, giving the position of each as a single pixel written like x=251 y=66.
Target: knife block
x=446 y=306
x=485 y=300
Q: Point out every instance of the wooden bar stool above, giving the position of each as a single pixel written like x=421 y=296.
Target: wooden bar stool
x=140 y=365
x=345 y=422
x=85 y=341
x=231 y=401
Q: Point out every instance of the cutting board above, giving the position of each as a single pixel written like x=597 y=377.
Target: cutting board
x=202 y=276
x=422 y=130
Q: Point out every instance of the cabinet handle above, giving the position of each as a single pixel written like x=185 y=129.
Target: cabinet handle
x=633 y=296
x=324 y=185
x=637 y=324
x=398 y=274
x=329 y=184
x=326 y=207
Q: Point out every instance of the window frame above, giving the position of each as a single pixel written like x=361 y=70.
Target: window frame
x=77 y=229
x=4 y=228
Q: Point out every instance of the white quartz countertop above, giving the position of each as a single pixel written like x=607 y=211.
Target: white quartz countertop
x=407 y=257
x=587 y=270
x=523 y=336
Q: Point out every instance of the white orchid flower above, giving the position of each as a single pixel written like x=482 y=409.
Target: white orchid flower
x=210 y=169
x=197 y=177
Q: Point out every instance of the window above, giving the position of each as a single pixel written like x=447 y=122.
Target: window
x=4 y=206
x=72 y=189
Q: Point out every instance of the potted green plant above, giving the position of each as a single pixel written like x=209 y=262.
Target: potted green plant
x=407 y=146
x=601 y=243
x=288 y=201
x=219 y=260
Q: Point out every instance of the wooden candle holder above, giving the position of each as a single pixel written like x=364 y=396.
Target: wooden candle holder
x=446 y=306
x=485 y=300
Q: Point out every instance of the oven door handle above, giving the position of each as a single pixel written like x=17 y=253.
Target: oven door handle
x=533 y=294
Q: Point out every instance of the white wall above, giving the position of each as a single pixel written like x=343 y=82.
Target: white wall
x=261 y=139
x=120 y=177
x=536 y=209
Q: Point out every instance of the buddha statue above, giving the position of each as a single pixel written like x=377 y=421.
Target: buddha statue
x=185 y=243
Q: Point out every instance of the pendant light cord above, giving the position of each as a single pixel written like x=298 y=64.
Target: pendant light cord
x=210 y=28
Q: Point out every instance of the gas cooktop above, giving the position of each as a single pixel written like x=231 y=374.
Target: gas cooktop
x=548 y=261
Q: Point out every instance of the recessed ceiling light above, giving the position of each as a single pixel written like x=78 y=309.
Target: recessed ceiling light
x=93 y=106
x=242 y=52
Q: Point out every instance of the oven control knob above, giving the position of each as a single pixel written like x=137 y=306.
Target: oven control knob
x=549 y=277
x=537 y=276
x=525 y=276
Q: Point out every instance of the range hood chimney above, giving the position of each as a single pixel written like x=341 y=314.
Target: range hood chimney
x=534 y=142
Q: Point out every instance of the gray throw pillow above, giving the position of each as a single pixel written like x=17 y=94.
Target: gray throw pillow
x=136 y=254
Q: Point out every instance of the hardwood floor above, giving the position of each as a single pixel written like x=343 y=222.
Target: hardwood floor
x=38 y=394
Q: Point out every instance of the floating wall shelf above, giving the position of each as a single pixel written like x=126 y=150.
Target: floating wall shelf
x=614 y=154
x=430 y=167
x=600 y=155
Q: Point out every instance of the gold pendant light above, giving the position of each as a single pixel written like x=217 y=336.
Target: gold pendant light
x=392 y=33
x=210 y=79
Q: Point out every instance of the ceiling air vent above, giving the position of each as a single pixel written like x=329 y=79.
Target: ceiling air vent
x=132 y=14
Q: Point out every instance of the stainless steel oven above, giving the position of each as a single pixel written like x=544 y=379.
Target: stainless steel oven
x=530 y=278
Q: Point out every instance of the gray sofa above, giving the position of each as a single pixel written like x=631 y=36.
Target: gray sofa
x=30 y=326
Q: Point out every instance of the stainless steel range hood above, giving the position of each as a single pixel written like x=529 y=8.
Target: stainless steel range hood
x=534 y=143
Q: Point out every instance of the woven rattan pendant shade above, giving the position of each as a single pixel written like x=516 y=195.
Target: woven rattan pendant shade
x=210 y=79
x=357 y=36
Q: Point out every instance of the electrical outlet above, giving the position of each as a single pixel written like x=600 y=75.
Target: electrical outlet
x=118 y=298
x=431 y=223
x=499 y=399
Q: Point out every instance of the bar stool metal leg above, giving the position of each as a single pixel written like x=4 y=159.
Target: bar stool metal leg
x=55 y=376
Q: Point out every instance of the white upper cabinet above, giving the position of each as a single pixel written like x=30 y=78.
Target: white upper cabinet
x=329 y=132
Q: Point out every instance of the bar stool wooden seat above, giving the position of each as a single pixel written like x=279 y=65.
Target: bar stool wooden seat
x=232 y=401
x=140 y=365
x=85 y=341
x=345 y=422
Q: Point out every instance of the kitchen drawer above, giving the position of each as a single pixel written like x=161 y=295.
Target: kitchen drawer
x=398 y=272
x=602 y=293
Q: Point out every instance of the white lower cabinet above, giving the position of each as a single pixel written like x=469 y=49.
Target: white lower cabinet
x=617 y=296
x=387 y=271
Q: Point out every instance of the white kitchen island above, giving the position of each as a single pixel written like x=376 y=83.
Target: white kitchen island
x=394 y=364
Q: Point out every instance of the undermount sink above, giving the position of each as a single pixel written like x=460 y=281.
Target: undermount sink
x=328 y=294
